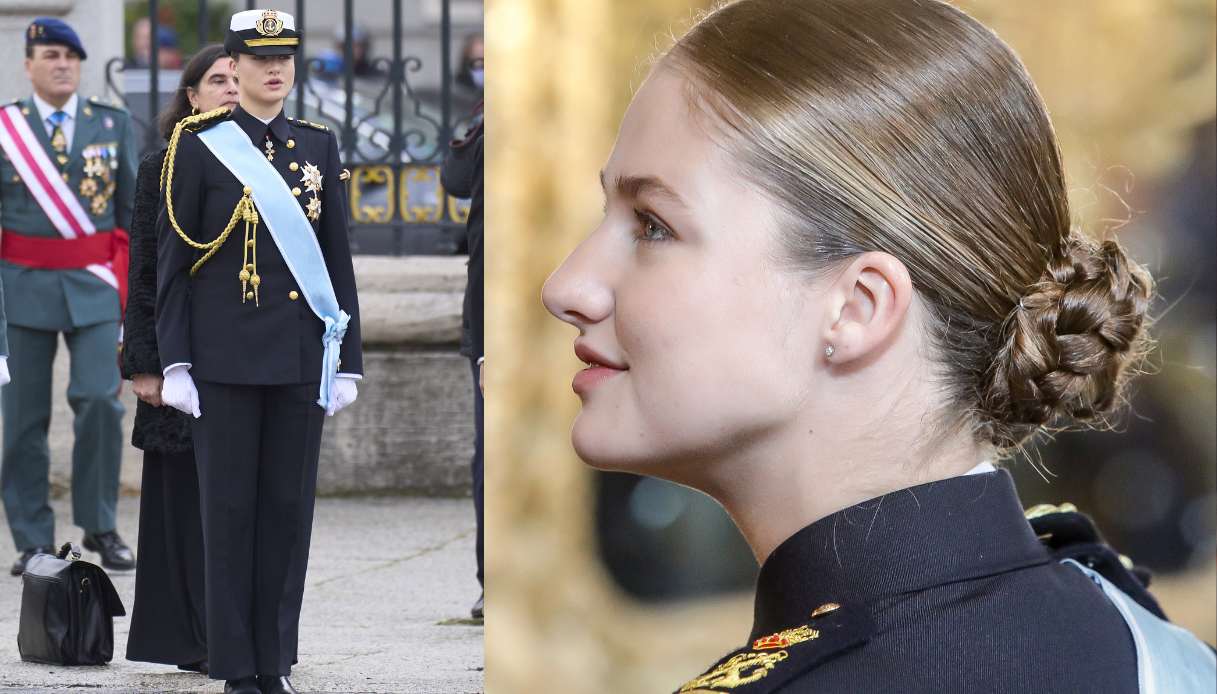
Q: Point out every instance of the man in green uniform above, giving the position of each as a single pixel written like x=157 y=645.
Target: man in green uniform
x=67 y=179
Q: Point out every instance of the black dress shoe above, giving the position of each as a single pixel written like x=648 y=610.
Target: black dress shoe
x=479 y=607
x=115 y=554
x=199 y=667
x=19 y=565
x=245 y=685
x=276 y=685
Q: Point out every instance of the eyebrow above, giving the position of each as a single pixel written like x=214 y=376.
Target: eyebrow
x=635 y=186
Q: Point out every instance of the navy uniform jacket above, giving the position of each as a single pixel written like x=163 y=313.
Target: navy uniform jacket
x=201 y=320
x=939 y=588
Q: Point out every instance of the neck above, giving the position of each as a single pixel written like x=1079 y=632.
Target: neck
x=797 y=492
x=813 y=468
x=263 y=110
x=56 y=101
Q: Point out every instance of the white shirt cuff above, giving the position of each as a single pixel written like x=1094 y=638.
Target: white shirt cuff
x=174 y=366
x=354 y=377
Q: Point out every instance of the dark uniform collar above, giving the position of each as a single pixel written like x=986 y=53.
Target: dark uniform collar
x=256 y=129
x=932 y=534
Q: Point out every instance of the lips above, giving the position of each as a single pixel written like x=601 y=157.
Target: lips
x=599 y=369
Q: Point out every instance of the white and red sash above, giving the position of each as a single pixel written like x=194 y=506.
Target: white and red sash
x=43 y=181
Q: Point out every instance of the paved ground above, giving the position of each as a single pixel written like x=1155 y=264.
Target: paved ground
x=390 y=583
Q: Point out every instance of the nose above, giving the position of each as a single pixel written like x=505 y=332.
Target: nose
x=580 y=291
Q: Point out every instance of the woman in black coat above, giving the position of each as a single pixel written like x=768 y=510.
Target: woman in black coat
x=167 y=620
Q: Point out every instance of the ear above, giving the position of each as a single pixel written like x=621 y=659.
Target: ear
x=192 y=97
x=868 y=302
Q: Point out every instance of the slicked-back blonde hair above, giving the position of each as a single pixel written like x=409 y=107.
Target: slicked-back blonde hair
x=905 y=126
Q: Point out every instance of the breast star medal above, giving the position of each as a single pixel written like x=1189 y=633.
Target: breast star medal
x=310 y=176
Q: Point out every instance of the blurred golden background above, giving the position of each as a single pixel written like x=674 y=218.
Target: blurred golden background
x=1131 y=88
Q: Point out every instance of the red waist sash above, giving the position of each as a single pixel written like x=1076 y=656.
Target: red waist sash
x=43 y=253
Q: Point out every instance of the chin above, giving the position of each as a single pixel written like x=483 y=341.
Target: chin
x=600 y=447
x=604 y=448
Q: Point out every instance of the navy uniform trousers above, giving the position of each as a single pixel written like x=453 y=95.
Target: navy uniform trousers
x=257 y=450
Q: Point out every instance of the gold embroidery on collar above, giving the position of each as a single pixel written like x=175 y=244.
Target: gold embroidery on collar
x=739 y=670
x=782 y=639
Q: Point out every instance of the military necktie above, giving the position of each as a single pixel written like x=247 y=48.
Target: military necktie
x=59 y=141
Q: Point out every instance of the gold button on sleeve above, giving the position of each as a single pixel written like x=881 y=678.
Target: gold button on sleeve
x=293 y=166
x=296 y=192
x=293 y=295
x=291 y=144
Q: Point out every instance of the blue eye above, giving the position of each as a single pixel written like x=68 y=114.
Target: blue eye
x=650 y=229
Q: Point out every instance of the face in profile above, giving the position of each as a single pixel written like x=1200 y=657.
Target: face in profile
x=695 y=332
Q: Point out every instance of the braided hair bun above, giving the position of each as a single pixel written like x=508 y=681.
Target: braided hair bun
x=1071 y=343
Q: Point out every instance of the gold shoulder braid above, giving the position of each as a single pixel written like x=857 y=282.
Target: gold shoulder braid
x=244 y=211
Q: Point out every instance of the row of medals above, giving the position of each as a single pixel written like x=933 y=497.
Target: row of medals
x=98 y=184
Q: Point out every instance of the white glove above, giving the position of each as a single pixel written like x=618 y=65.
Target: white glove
x=179 y=392
x=345 y=392
x=4 y=375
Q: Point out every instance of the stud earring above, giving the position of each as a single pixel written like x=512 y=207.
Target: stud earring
x=828 y=351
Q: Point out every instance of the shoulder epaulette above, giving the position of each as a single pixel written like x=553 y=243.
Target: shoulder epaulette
x=106 y=103
x=309 y=123
x=1070 y=534
x=202 y=121
x=772 y=662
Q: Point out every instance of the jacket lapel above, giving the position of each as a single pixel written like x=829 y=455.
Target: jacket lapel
x=36 y=124
x=86 y=127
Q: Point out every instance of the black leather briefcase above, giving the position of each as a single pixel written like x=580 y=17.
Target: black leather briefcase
x=67 y=611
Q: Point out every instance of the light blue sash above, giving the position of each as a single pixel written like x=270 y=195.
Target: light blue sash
x=293 y=234
x=1170 y=660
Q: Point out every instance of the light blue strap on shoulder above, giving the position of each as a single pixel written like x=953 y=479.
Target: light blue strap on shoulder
x=1170 y=660
x=293 y=234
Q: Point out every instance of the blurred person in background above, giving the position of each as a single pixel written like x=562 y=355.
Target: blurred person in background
x=168 y=56
x=69 y=180
x=333 y=60
x=168 y=622
x=471 y=74
x=805 y=349
x=461 y=176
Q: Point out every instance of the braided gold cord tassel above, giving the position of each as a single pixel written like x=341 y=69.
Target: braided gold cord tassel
x=244 y=211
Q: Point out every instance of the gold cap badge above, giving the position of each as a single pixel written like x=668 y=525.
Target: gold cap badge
x=269 y=24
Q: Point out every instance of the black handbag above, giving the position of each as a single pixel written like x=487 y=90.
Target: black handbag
x=67 y=611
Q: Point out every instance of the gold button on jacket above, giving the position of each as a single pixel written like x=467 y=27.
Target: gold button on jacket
x=293 y=295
